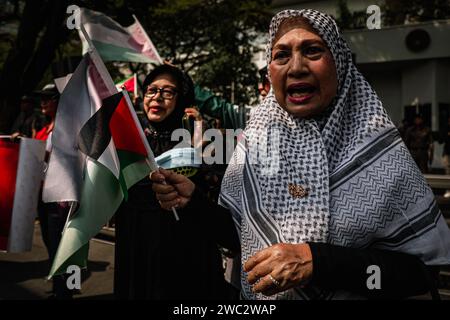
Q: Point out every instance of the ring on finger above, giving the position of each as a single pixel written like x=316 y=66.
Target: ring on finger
x=275 y=281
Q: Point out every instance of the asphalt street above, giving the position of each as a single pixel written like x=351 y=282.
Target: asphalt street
x=22 y=275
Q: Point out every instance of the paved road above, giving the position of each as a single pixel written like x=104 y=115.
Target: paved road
x=22 y=275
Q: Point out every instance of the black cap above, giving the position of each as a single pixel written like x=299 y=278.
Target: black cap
x=49 y=91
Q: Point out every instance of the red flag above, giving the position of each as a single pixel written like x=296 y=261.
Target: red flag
x=9 y=159
x=124 y=130
x=129 y=84
x=113 y=120
x=21 y=172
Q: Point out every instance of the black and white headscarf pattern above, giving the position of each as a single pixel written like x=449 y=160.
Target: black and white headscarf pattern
x=364 y=189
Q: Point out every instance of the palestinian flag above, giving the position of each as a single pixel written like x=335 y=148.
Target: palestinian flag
x=99 y=152
x=115 y=121
x=130 y=84
x=117 y=43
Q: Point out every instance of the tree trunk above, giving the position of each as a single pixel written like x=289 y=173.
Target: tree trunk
x=26 y=64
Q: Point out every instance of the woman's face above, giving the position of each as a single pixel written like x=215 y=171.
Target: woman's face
x=303 y=72
x=160 y=98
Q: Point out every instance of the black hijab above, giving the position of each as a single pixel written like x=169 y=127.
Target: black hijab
x=159 y=133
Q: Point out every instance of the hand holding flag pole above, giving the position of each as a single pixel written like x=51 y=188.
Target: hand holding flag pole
x=175 y=214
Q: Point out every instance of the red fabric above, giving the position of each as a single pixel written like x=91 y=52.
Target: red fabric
x=129 y=85
x=9 y=156
x=124 y=130
x=42 y=134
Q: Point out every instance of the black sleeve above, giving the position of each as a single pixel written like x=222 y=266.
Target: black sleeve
x=342 y=268
x=217 y=219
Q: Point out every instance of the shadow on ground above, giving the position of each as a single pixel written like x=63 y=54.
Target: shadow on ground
x=23 y=275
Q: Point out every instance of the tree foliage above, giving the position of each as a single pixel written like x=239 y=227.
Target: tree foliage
x=213 y=40
x=39 y=34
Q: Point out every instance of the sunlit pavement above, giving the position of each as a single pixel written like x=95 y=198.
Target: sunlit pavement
x=22 y=275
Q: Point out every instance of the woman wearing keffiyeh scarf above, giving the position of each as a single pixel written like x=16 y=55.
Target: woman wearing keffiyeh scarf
x=322 y=190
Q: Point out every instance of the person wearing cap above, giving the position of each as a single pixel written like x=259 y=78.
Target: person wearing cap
x=49 y=103
x=52 y=216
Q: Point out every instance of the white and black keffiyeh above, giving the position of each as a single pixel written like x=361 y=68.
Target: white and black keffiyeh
x=363 y=187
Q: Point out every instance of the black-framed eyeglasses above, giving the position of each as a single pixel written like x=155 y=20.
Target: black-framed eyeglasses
x=166 y=93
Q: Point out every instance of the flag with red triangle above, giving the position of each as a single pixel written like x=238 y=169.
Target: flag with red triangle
x=99 y=152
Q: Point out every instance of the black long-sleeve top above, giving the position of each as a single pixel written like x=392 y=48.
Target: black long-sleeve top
x=338 y=268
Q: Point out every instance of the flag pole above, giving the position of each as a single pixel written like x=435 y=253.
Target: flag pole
x=135 y=86
x=73 y=207
x=98 y=62
x=148 y=39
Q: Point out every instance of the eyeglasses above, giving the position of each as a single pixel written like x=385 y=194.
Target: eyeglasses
x=164 y=92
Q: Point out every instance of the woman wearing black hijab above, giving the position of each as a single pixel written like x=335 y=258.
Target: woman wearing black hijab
x=156 y=256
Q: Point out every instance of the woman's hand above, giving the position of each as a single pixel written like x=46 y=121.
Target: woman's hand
x=15 y=136
x=193 y=113
x=279 y=267
x=177 y=191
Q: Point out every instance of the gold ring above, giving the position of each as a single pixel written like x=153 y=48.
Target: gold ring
x=275 y=281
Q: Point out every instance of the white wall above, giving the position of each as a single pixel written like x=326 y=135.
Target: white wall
x=388 y=44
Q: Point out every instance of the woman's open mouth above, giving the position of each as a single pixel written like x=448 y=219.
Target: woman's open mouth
x=299 y=93
x=155 y=109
